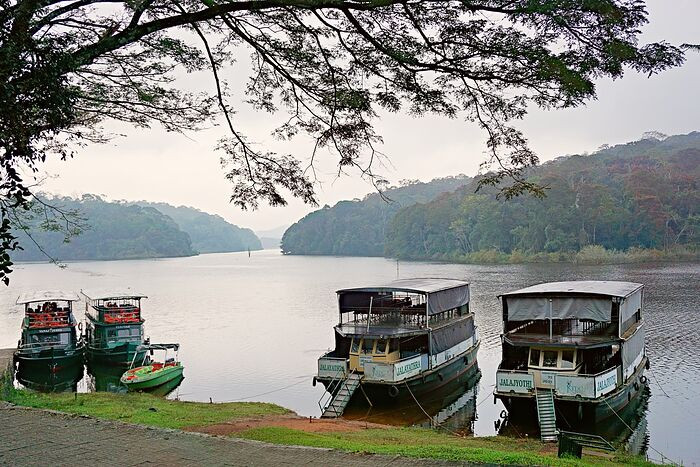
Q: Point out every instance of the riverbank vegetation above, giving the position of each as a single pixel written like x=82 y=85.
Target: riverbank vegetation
x=142 y=409
x=122 y=230
x=629 y=203
x=195 y=416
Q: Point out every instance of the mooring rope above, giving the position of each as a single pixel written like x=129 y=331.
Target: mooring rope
x=631 y=430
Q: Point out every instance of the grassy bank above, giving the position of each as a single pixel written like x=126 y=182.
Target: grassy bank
x=143 y=409
x=413 y=442
x=591 y=254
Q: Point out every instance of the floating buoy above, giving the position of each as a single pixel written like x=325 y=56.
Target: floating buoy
x=313 y=383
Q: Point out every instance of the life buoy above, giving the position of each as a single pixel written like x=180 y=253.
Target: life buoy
x=643 y=379
x=393 y=391
x=503 y=413
x=636 y=386
x=80 y=326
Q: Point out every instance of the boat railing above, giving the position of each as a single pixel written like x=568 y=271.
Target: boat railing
x=563 y=327
x=118 y=315
x=395 y=371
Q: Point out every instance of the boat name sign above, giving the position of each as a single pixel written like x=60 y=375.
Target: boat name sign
x=407 y=369
x=515 y=382
x=605 y=383
x=328 y=367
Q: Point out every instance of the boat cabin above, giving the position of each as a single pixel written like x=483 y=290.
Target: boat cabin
x=48 y=319
x=582 y=339
x=396 y=331
x=114 y=317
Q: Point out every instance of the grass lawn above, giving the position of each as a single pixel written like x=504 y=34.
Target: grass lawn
x=420 y=442
x=144 y=409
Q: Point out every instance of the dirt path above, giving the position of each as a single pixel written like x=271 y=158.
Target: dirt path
x=38 y=437
x=293 y=421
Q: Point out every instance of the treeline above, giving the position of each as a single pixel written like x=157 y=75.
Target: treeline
x=124 y=230
x=209 y=233
x=628 y=198
x=359 y=227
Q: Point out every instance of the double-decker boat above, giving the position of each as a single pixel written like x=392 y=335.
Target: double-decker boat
x=50 y=353
x=398 y=340
x=114 y=329
x=572 y=351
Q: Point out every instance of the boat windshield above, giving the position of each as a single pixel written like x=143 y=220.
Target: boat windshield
x=62 y=338
x=129 y=334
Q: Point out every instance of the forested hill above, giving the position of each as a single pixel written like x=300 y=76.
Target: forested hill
x=209 y=233
x=358 y=227
x=114 y=231
x=644 y=194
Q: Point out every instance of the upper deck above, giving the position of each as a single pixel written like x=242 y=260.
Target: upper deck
x=48 y=309
x=401 y=308
x=578 y=313
x=120 y=307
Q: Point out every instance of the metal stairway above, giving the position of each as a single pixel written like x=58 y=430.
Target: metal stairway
x=346 y=389
x=546 y=415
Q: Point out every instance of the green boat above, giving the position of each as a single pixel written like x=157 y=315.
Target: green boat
x=49 y=356
x=114 y=328
x=150 y=376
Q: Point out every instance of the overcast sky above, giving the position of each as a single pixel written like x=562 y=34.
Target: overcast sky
x=184 y=169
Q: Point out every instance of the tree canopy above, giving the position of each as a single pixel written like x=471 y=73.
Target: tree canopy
x=68 y=65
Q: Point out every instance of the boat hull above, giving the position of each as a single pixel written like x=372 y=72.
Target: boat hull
x=389 y=393
x=119 y=356
x=577 y=412
x=50 y=370
x=154 y=380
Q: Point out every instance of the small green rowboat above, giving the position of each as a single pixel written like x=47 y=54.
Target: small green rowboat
x=154 y=375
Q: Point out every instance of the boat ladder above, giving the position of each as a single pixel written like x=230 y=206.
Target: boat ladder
x=546 y=415
x=346 y=388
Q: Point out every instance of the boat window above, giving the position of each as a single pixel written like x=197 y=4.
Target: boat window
x=355 y=346
x=567 y=358
x=534 y=357
x=367 y=345
x=549 y=358
x=381 y=346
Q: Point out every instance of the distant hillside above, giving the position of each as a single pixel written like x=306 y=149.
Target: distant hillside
x=644 y=194
x=116 y=231
x=209 y=233
x=357 y=228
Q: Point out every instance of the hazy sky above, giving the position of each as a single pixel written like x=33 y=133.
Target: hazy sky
x=184 y=169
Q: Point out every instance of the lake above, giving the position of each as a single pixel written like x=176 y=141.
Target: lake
x=252 y=328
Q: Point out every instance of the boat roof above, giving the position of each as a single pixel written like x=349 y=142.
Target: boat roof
x=111 y=294
x=426 y=285
x=47 y=296
x=605 y=288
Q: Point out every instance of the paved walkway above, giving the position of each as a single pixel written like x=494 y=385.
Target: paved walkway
x=38 y=437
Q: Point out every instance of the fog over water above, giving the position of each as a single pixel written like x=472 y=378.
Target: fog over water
x=253 y=328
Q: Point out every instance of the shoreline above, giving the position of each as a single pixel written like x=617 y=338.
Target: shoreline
x=271 y=423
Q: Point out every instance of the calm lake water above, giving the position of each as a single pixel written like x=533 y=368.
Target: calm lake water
x=252 y=328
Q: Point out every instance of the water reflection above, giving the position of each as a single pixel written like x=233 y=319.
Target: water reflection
x=48 y=376
x=452 y=407
x=627 y=429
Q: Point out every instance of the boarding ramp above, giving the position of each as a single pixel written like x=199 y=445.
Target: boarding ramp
x=546 y=414
x=341 y=392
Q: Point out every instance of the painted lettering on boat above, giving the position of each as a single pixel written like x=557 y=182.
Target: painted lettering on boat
x=331 y=367
x=403 y=369
x=516 y=383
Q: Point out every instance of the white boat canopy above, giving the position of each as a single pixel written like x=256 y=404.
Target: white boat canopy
x=47 y=296
x=124 y=294
x=577 y=299
x=441 y=294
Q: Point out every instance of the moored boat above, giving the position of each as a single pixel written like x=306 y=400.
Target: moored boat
x=399 y=340
x=573 y=352
x=50 y=354
x=148 y=376
x=114 y=328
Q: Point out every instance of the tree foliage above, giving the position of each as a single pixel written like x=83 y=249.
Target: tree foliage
x=110 y=231
x=67 y=65
x=644 y=194
x=358 y=228
x=209 y=233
